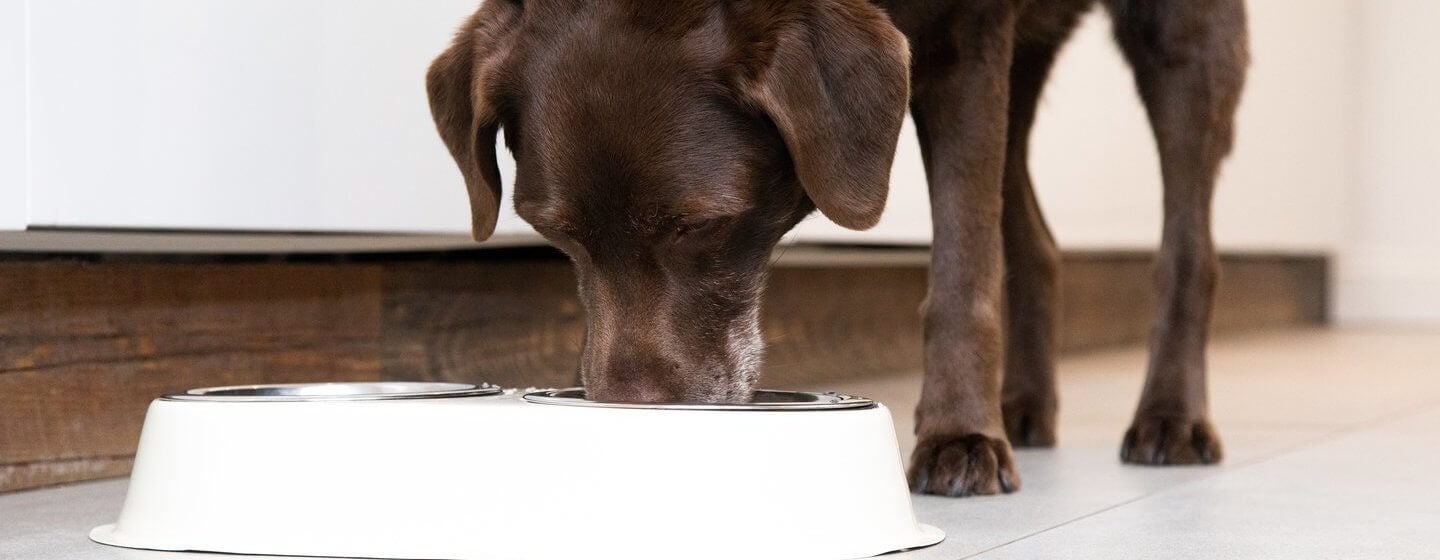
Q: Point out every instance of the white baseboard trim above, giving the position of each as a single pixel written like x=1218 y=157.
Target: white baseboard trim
x=1387 y=286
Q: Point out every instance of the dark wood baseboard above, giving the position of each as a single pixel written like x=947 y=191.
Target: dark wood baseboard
x=87 y=341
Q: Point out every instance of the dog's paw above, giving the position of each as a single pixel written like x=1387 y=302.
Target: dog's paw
x=1157 y=440
x=962 y=465
x=1030 y=422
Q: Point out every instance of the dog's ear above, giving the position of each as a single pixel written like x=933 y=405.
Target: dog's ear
x=463 y=110
x=836 y=85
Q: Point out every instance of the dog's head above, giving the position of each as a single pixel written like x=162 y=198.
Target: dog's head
x=666 y=147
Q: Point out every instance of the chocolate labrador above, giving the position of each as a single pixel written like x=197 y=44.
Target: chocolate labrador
x=667 y=145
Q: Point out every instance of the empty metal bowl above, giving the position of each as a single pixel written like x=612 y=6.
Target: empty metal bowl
x=309 y=392
x=391 y=470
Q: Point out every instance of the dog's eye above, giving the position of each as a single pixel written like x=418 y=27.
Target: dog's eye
x=692 y=228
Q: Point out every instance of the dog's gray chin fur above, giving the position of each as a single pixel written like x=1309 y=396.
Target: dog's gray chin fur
x=745 y=352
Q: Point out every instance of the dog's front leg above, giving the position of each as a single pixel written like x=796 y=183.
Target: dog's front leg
x=1189 y=60
x=960 y=97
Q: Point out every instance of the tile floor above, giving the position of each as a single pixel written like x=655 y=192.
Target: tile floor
x=1331 y=453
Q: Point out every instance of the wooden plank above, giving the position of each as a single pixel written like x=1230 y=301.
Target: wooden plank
x=1259 y=291
x=1105 y=299
x=521 y=324
x=85 y=347
x=823 y=324
x=60 y=471
x=1108 y=298
x=514 y=323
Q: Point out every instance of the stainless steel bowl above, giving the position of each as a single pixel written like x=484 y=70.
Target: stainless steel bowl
x=762 y=401
x=309 y=392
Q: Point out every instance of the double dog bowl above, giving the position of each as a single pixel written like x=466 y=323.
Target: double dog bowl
x=461 y=472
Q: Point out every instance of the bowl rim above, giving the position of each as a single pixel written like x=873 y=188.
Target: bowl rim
x=294 y=392
x=782 y=401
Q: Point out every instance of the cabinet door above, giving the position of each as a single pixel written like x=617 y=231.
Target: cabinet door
x=13 y=196
x=269 y=115
x=262 y=115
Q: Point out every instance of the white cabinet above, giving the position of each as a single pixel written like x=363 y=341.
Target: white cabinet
x=231 y=115
x=257 y=115
x=13 y=191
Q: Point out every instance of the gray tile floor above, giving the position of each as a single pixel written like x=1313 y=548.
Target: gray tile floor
x=1331 y=453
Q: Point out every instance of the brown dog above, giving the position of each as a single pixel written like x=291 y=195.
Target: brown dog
x=666 y=146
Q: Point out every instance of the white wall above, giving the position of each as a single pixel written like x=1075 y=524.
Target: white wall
x=13 y=200
x=1098 y=174
x=322 y=126
x=1094 y=160
x=1389 y=267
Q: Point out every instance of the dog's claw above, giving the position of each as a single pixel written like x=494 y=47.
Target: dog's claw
x=918 y=484
x=1006 y=484
x=1171 y=441
x=962 y=465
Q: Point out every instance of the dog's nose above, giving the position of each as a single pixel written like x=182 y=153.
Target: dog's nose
x=645 y=391
x=634 y=390
x=632 y=377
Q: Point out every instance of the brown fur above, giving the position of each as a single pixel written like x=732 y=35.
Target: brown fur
x=666 y=146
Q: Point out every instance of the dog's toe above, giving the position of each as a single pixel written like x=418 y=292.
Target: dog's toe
x=963 y=465
x=1030 y=422
x=1171 y=441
